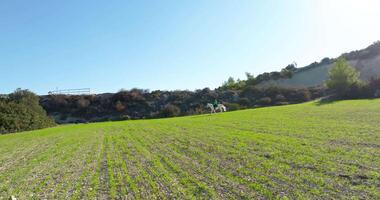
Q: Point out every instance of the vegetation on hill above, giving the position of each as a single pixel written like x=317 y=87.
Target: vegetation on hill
x=367 y=61
x=369 y=52
x=286 y=72
x=20 y=111
x=139 y=104
x=344 y=82
x=342 y=77
x=304 y=151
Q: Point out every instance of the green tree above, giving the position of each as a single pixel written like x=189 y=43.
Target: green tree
x=342 y=77
x=232 y=84
x=251 y=80
x=230 y=81
x=20 y=111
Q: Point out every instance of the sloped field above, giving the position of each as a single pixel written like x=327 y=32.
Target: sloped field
x=299 y=151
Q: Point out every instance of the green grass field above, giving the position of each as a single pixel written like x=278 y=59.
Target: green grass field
x=305 y=151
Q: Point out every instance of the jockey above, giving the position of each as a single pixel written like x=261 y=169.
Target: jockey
x=215 y=104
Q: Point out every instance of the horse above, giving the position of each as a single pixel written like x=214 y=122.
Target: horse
x=220 y=107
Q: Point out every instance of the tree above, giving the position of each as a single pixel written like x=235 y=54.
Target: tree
x=251 y=80
x=342 y=77
x=232 y=84
x=291 y=67
x=21 y=111
x=229 y=83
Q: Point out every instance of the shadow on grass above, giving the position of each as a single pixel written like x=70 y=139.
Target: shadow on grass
x=327 y=100
x=331 y=99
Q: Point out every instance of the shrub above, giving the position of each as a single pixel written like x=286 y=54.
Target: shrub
x=299 y=95
x=280 y=98
x=374 y=86
x=358 y=91
x=244 y=101
x=119 y=106
x=170 y=111
x=265 y=101
x=82 y=103
x=22 y=112
x=233 y=106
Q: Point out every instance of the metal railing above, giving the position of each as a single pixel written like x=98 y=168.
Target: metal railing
x=71 y=91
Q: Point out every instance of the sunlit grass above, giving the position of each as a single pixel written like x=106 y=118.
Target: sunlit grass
x=298 y=151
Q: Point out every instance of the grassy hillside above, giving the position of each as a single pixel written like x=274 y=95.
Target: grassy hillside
x=299 y=151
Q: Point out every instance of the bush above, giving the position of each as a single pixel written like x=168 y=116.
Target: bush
x=21 y=112
x=82 y=103
x=359 y=91
x=280 y=98
x=119 y=106
x=233 y=106
x=374 y=86
x=170 y=111
x=299 y=95
x=265 y=101
x=244 y=101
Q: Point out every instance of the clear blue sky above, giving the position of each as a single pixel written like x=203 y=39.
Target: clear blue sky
x=187 y=44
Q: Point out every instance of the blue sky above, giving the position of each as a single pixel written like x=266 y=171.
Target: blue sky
x=170 y=44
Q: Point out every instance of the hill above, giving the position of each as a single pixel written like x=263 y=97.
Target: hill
x=366 y=61
x=309 y=150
